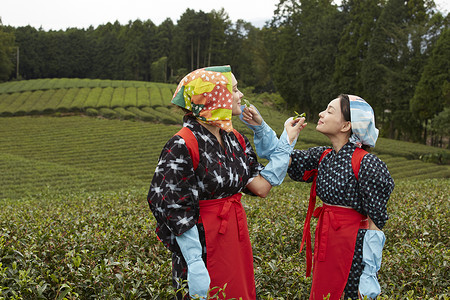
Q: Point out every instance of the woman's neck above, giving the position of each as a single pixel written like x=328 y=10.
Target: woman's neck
x=214 y=130
x=338 y=142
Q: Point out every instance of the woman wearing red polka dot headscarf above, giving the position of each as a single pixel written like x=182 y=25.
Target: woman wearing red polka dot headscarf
x=195 y=194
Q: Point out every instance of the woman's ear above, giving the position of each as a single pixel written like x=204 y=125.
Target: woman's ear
x=347 y=126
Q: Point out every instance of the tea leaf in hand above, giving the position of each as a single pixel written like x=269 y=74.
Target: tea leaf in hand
x=297 y=115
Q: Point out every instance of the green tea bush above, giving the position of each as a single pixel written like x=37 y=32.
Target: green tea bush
x=5 y=101
x=130 y=97
x=441 y=158
x=102 y=245
x=93 y=97
x=66 y=102
x=80 y=99
x=142 y=115
x=143 y=97
x=156 y=98
x=92 y=112
x=124 y=114
x=31 y=106
x=118 y=97
x=105 y=97
x=416 y=257
x=15 y=106
x=107 y=113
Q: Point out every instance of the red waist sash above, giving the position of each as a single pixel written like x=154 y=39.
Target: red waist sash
x=334 y=247
x=229 y=257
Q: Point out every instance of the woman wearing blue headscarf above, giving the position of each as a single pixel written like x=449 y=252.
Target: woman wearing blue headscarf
x=354 y=186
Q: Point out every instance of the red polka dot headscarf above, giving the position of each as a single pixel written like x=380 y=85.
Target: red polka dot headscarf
x=207 y=93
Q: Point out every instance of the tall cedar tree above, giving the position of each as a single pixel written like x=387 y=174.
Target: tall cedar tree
x=360 y=17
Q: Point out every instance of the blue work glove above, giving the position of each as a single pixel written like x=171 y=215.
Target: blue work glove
x=197 y=274
x=265 y=139
x=372 y=247
x=276 y=169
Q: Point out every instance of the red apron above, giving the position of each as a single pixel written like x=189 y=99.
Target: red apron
x=229 y=257
x=334 y=246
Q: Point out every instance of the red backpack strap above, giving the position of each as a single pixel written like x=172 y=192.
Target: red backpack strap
x=323 y=155
x=240 y=139
x=191 y=144
x=357 y=157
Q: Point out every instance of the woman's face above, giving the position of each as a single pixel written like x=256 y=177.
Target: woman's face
x=331 y=121
x=237 y=96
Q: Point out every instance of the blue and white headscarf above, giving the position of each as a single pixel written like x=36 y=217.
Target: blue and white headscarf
x=363 y=122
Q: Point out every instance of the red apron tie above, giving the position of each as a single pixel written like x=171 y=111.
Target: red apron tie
x=328 y=217
x=224 y=214
x=307 y=227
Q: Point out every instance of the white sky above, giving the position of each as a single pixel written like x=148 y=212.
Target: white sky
x=62 y=14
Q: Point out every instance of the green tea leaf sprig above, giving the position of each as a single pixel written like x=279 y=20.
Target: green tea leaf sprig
x=297 y=115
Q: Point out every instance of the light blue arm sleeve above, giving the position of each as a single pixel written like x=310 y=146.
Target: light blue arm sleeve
x=276 y=169
x=265 y=139
x=197 y=274
x=372 y=253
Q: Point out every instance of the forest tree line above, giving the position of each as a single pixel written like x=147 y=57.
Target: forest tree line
x=393 y=53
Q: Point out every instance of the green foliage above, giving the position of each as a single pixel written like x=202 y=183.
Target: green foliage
x=303 y=48
x=442 y=158
x=76 y=95
x=66 y=102
x=417 y=254
x=130 y=97
x=361 y=17
x=80 y=99
x=102 y=245
x=124 y=114
x=441 y=123
x=427 y=101
x=118 y=97
x=53 y=153
x=106 y=96
x=7 y=48
x=159 y=70
x=107 y=113
x=143 y=97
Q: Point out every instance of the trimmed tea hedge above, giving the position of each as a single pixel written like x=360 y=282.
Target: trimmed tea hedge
x=102 y=245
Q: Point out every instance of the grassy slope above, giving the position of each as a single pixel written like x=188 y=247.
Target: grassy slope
x=84 y=153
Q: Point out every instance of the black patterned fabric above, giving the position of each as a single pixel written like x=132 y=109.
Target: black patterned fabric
x=176 y=188
x=337 y=185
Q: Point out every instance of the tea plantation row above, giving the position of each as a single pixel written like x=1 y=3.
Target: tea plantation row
x=91 y=154
x=150 y=102
x=101 y=245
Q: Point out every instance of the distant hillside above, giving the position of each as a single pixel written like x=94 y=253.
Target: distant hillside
x=40 y=152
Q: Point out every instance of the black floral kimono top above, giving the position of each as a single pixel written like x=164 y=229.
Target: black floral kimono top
x=336 y=184
x=176 y=188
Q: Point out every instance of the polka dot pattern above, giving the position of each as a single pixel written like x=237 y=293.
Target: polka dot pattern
x=337 y=185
